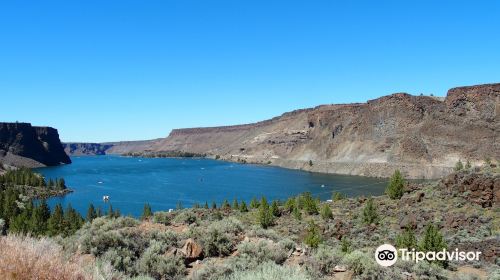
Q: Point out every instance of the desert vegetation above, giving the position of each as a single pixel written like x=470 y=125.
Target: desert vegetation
x=300 y=238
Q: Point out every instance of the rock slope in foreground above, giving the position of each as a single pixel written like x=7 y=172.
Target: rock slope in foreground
x=30 y=146
x=421 y=135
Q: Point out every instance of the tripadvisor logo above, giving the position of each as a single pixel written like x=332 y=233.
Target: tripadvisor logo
x=386 y=255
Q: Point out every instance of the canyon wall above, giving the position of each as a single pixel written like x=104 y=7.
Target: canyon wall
x=423 y=136
x=24 y=145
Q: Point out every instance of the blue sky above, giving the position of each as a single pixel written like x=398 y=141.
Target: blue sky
x=127 y=70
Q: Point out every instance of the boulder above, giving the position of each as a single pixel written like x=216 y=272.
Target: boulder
x=192 y=251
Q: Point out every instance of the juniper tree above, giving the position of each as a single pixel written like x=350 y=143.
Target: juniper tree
x=226 y=205
x=206 y=205
x=265 y=215
x=459 y=165
x=214 y=205
x=336 y=196
x=56 y=223
x=275 y=209
x=313 y=237
x=243 y=206
x=296 y=213
x=146 y=212
x=326 y=212
x=254 y=203
x=370 y=215
x=395 y=189
x=406 y=239
x=236 y=206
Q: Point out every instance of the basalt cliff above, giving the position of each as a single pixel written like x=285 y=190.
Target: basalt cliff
x=423 y=136
x=23 y=145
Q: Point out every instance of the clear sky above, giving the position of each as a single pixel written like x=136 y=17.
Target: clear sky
x=128 y=70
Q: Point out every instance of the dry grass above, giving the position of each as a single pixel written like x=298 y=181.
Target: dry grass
x=30 y=258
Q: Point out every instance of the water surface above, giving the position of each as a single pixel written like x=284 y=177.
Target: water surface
x=163 y=182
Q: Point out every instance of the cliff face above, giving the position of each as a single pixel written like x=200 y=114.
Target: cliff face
x=24 y=145
x=79 y=149
x=421 y=135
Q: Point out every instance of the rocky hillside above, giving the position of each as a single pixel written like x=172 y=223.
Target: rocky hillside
x=29 y=146
x=423 y=136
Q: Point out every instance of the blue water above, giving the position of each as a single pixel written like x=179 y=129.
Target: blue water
x=163 y=182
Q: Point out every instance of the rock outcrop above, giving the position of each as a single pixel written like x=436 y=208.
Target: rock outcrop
x=29 y=146
x=423 y=136
x=479 y=188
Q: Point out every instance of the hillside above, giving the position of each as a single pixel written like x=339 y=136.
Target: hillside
x=423 y=136
x=24 y=145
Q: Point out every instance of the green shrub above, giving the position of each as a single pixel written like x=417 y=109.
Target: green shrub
x=265 y=215
x=263 y=251
x=185 y=217
x=146 y=212
x=243 y=207
x=325 y=258
x=459 y=166
x=308 y=203
x=162 y=218
x=290 y=204
x=363 y=265
x=406 y=239
x=268 y=271
x=254 y=203
x=432 y=240
x=337 y=196
x=297 y=214
x=395 y=189
x=326 y=212
x=345 y=245
x=370 y=215
x=221 y=237
x=313 y=237
x=154 y=263
x=275 y=210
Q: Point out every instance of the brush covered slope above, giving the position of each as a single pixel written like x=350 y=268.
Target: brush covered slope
x=300 y=238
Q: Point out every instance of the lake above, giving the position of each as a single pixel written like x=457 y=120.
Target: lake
x=163 y=182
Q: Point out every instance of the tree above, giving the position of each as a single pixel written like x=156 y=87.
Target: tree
x=290 y=204
x=265 y=215
x=39 y=218
x=433 y=240
x=406 y=239
x=91 y=213
x=56 y=222
x=459 y=165
x=336 y=196
x=345 y=245
x=310 y=163
x=254 y=203
x=395 y=189
x=179 y=206
x=296 y=213
x=309 y=203
x=111 y=212
x=214 y=205
x=146 y=212
x=275 y=209
x=226 y=205
x=243 y=206
x=206 y=205
x=326 y=212
x=370 y=215
x=236 y=206
x=313 y=237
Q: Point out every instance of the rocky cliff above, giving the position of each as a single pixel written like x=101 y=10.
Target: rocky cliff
x=24 y=145
x=423 y=136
